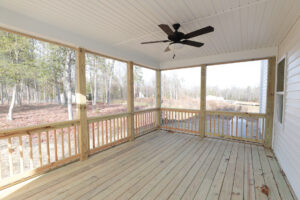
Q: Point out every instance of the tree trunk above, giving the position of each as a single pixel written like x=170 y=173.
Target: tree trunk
x=28 y=93
x=110 y=76
x=57 y=91
x=36 y=93
x=95 y=89
x=68 y=83
x=12 y=103
x=18 y=95
x=2 y=94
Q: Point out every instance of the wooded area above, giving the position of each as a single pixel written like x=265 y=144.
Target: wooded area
x=33 y=72
x=38 y=83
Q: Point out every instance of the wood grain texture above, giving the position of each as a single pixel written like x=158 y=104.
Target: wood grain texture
x=163 y=165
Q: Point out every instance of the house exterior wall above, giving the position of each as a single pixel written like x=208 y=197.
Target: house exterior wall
x=286 y=140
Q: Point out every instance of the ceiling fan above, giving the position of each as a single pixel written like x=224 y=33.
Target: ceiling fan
x=175 y=37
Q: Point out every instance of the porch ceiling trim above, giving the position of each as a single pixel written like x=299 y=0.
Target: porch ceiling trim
x=255 y=54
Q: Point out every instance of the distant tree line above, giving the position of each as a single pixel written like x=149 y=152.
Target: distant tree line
x=249 y=94
x=173 y=88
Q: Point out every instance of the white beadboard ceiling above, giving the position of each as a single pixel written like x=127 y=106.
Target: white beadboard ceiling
x=243 y=28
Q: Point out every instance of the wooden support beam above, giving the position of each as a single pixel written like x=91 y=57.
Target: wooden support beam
x=270 y=101
x=158 y=97
x=202 y=102
x=81 y=104
x=130 y=100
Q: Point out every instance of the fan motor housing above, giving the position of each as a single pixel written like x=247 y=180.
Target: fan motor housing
x=176 y=37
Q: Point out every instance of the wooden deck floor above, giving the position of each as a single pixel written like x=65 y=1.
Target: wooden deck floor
x=165 y=165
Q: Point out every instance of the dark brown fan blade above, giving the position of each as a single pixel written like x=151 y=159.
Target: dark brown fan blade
x=159 y=41
x=192 y=43
x=201 y=31
x=166 y=28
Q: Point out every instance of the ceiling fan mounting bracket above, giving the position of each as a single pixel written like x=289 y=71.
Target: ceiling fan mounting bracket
x=176 y=26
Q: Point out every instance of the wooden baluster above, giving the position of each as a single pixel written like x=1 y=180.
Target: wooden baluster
x=62 y=144
x=10 y=160
x=21 y=154
x=119 y=132
x=227 y=118
x=214 y=125
x=30 y=151
x=142 y=123
x=237 y=123
x=223 y=125
x=145 y=121
x=98 y=133
x=256 y=129
x=218 y=132
x=102 y=132
x=174 y=119
x=241 y=127
x=69 y=141
x=232 y=126
x=111 y=131
x=75 y=139
x=40 y=149
x=124 y=126
x=181 y=120
x=210 y=132
x=247 y=127
x=263 y=129
x=252 y=128
x=114 y=128
x=55 y=146
x=137 y=124
x=93 y=134
x=170 y=120
x=149 y=119
x=190 y=121
x=48 y=147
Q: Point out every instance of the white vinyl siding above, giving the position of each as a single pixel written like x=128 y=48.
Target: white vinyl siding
x=287 y=136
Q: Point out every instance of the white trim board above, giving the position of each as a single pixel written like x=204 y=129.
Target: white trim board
x=236 y=56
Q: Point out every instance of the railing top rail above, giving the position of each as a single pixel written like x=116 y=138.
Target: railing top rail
x=106 y=117
x=242 y=114
x=180 y=110
x=36 y=128
x=146 y=110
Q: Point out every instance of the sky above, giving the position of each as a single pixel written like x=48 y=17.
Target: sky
x=242 y=74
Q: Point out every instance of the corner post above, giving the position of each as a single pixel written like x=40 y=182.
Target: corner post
x=270 y=102
x=158 y=98
x=130 y=101
x=202 y=102
x=81 y=104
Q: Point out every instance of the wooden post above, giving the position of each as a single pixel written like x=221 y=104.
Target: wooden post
x=158 y=97
x=81 y=103
x=130 y=100
x=270 y=101
x=202 y=102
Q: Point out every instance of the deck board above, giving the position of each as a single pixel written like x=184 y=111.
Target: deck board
x=163 y=165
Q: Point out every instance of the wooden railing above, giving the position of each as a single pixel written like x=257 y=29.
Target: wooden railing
x=235 y=125
x=242 y=126
x=25 y=152
x=180 y=120
x=107 y=131
x=145 y=121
